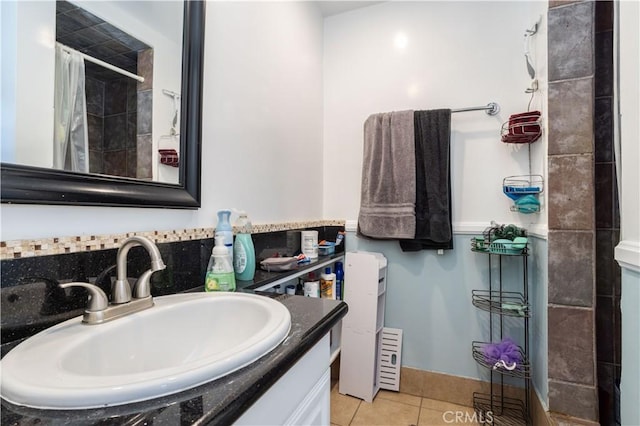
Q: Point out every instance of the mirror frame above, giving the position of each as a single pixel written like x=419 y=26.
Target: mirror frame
x=36 y=185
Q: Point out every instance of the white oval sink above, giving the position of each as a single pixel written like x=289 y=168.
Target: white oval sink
x=183 y=341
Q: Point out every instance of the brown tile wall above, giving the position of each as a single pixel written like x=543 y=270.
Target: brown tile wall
x=111 y=122
x=143 y=149
x=571 y=268
x=581 y=401
x=572 y=357
x=571 y=106
x=571 y=311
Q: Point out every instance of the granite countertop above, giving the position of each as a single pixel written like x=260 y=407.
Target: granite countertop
x=218 y=402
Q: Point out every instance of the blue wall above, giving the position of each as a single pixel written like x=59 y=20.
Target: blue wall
x=630 y=381
x=538 y=325
x=429 y=298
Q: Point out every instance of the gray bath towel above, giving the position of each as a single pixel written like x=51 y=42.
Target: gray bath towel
x=387 y=205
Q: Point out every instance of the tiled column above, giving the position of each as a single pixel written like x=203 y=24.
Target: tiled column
x=144 y=151
x=571 y=312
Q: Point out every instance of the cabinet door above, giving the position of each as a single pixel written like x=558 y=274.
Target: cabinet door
x=282 y=403
x=315 y=408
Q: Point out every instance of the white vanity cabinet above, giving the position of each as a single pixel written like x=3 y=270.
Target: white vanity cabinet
x=300 y=397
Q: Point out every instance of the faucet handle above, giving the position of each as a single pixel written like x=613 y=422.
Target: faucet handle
x=98 y=300
x=121 y=291
x=142 y=287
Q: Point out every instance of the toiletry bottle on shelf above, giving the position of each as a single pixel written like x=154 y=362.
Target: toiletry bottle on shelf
x=244 y=253
x=223 y=229
x=220 y=276
x=311 y=286
x=328 y=284
x=339 y=271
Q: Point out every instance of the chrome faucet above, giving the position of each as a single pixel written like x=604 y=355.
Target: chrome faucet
x=98 y=308
x=121 y=290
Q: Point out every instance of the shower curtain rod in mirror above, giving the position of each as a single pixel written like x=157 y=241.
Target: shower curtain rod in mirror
x=101 y=63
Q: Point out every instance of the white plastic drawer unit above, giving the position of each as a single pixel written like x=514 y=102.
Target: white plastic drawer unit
x=365 y=293
x=369 y=269
x=382 y=280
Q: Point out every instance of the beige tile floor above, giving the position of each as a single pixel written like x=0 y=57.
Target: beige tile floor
x=395 y=409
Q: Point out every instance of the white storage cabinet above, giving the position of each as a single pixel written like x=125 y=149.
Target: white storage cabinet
x=364 y=292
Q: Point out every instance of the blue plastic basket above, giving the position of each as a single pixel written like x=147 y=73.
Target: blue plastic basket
x=503 y=246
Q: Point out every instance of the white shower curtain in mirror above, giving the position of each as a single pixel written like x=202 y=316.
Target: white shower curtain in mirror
x=71 y=141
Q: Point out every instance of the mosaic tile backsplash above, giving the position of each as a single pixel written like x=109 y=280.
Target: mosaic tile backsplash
x=63 y=245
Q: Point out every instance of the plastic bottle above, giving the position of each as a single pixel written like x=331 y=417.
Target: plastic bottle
x=244 y=253
x=337 y=269
x=328 y=284
x=311 y=286
x=220 y=276
x=223 y=229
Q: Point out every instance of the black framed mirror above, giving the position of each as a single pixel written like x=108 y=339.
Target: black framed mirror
x=36 y=185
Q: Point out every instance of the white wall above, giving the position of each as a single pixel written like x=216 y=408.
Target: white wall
x=457 y=54
x=8 y=49
x=28 y=62
x=262 y=126
x=629 y=68
x=263 y=109
x=628 y=251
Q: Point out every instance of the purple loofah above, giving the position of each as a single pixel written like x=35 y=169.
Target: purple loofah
x=506 y=351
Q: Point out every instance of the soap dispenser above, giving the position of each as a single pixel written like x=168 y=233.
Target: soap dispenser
x=220 y=276
x=244 y=253
x=223 y=229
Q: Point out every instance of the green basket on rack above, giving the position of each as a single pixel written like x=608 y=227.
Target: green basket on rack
x=479 y=244
x=504 y=246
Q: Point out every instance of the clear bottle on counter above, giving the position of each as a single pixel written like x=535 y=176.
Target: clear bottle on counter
x=244 y=253
x=223 y=229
